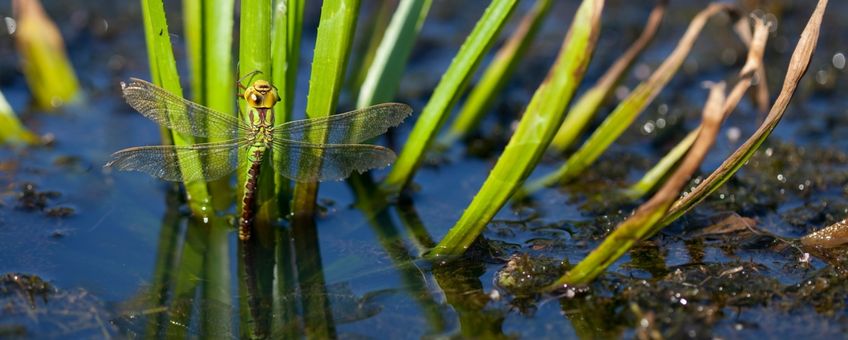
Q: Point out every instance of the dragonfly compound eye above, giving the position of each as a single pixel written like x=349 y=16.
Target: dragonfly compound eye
x=254 y=98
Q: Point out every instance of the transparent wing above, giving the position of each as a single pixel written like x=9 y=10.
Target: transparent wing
x=163 y=160
x=346 y=128
x=159 y=105
x=303 y=162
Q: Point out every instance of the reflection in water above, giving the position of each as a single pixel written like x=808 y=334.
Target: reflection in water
x=281 y=289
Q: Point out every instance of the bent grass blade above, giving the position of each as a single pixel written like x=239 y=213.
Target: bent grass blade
x=302 y=162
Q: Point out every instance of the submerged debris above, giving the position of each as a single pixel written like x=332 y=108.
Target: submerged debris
x=31 y=199
x=34 y=308
x=526 y=275
x=778 y=173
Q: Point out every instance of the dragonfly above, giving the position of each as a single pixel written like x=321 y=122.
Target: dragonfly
x=301 y=160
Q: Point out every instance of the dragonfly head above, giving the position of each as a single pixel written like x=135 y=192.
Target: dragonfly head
x=262 y=95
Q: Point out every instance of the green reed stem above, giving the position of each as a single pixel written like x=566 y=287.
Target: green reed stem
x=209 y=31
x=255 y=55
x=484 y=94
x=364 y=49
x=332 y=48
x=535 y=130
x=11 y=129
x=285 y=55
x=447 y=92
x=45 y=65
x=798 y=65
x=638 y=225
x=587 y=105
x=386 y=70
x=653 y=177
x=627 y=111
x=163 y=69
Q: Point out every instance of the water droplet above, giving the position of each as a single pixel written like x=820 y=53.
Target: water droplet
x=662 y=109
x=838 y=60
x=781 y=178
x=648 y=127
x=11 y=25
x=769 y=152
x=733 y=134
x=660 y=123
x=822 y=77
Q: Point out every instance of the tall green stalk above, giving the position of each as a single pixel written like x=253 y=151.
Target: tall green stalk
x=483 y=96
x=587 y=105
x=447 y=92
x=163 y=69
x=11 y=129
x=255 y=55
x=627 y=111
x=535 y=131
x=332 y=47
x=384 y=73
x=285 y=55
x=798 y=65
x=209 y=31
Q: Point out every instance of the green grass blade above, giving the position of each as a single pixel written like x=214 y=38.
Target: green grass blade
x=163 y=69
x=370 y=35
x=536 y=129
x=589 y=103
x=209 y=32
x=648 y=219
x=285 y=55
x=798 y=65
x=45 y=64
x=11 y=129
x=386 y=70
x=193 y=30
x=640 y=224
x=481 y=98
x=653 y=177
x=332 y=48
x=626 y=112
x=218 y=83
x=447 y=92
x=255 y=55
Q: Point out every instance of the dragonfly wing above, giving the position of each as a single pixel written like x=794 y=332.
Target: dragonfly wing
x=205 y=162
x=346 y=128
x=304 y=162
x=161 y=106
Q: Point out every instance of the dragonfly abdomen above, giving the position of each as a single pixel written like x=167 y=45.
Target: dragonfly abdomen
x=249 y=198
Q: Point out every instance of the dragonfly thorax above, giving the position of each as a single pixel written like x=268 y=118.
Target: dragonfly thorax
x=261 y=95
